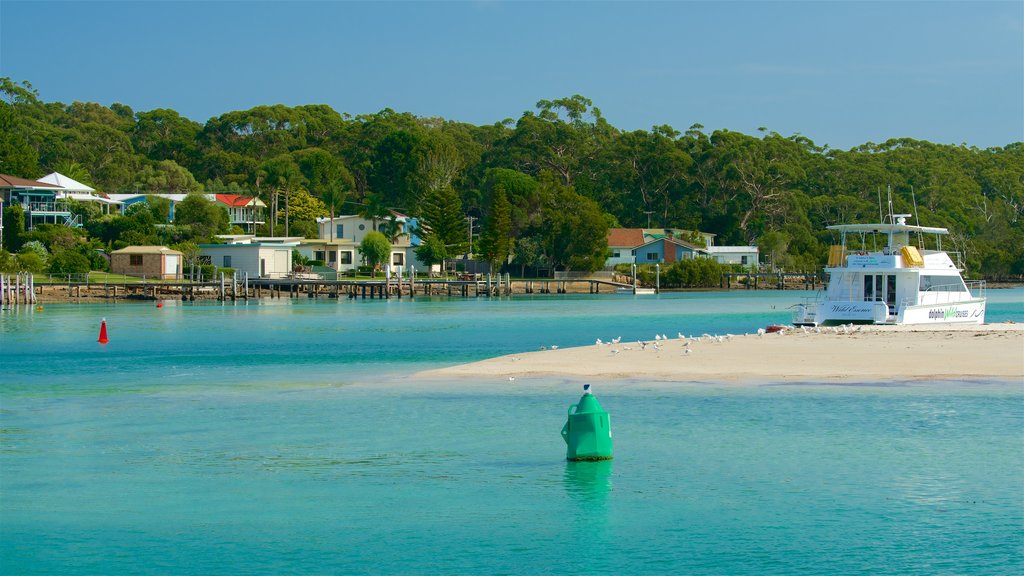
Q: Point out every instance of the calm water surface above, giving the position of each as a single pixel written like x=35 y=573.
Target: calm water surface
x=286 y=437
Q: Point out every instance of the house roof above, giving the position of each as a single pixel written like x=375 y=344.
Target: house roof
x=675 y=241
x=631 y=237
x=146 y=250
x=236 y=200
x=7 y=181
x=65 y=183
x=127 y=197
x=724 y=249
x=90 y=198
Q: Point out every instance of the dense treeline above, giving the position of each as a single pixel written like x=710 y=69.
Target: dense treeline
x=542 y=189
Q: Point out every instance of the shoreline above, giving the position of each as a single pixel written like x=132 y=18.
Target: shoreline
x=830 y=355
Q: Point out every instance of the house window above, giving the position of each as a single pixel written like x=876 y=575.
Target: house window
x=227 y=262
x=206 y=259
x=397 y=259
x=743 y=260
x=135 y=259
x=652 y=256
x=615 y=254
x=362 y=227
x=346 y=257
x=339 y=231
x=334 y=256
x=319 y=255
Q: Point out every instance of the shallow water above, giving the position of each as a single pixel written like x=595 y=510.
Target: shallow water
x=286 y=437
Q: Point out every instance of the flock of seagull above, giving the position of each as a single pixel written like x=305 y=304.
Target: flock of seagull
x=660 y=340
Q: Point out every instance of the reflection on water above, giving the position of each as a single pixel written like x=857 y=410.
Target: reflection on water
x=588 y=481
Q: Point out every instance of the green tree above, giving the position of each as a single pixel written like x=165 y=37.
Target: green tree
x=773 y=244
x=14 y=227
x=375 y=249
x=17 y=157
x=432 y=251
x=575 y=230
x=283 y=177
x=69 y=262
x=166 y=176
x=441 y=216
x=206 y=218
x=496 y=242
x=34 y=257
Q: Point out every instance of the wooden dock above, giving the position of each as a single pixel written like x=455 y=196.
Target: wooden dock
x=25 y=289
x=22 y=290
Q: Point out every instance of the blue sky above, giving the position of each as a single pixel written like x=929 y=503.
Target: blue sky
x=840 y=73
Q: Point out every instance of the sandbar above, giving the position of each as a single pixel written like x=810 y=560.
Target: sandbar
x=839 y=354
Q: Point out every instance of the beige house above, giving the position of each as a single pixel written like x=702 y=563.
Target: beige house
x=148 y=262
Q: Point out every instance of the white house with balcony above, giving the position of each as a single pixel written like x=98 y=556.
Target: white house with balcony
x=340 y=237
x=246 y=212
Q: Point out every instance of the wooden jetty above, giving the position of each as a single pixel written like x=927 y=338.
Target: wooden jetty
x=23 y=288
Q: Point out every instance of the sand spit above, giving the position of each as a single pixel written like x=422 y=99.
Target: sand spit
x=858 y=353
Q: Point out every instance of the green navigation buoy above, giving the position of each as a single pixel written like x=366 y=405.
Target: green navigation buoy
x=588 y=430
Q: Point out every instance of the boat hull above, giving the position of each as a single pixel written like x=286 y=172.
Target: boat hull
x=966 y=312
x=833 y=313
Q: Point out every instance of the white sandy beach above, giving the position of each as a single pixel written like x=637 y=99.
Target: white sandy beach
x=855 y=354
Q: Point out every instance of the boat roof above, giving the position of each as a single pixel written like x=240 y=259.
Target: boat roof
x=886 y=228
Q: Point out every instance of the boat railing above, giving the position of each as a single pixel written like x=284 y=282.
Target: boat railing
x=977 y=288
x=949 y=293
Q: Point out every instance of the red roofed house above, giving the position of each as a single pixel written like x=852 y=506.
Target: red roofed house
x=244 y=211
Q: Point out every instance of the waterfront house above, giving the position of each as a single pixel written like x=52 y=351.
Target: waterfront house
x=648 y=245
x=668 y=245
x=255 y=256
x=243 y=211
x=667 y=250
x=127 y=200
x=71 y=189
x=39 y=200
x=147 y=261
x=339 y=240
x=746 y=256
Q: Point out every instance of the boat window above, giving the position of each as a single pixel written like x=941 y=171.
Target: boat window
x=942 y=284
x=869 y=288
x=890 y=289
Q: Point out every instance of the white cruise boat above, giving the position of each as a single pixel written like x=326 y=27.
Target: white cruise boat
x=876 y=275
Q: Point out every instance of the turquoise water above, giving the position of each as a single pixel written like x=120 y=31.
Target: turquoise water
x=286 y=437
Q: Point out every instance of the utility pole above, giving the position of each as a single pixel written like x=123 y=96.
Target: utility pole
x=287 y=212
x=648 y=212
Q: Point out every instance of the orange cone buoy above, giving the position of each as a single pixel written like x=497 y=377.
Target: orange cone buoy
x=103 y=332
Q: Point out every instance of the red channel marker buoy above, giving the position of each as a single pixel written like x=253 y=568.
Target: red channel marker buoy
x=103 y=332
x=159 y=304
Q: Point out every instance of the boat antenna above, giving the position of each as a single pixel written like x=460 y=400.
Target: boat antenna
x=889 y=190
x=917 y=218
x=881 y=219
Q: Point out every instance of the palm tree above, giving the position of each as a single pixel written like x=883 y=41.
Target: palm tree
x=333 y=198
